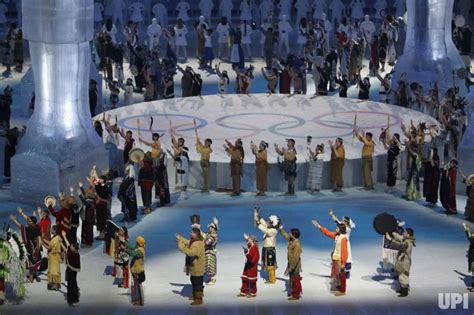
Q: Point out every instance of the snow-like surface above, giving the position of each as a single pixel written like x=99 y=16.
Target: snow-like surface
x=439 y=263
x=262 y=117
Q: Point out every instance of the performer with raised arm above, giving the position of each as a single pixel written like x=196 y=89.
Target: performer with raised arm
x=181 y=158
x=367 y=157
x=338 y=155
x=205 y=151
x=349 y=226
x=250 y=274
x=128 y=146
x=393 y=146
x=73 y=266
x=223 y=82
x=469 y=182
x=289 y=164
x=339 y=256
x=293 y=269
x=261 y=166
x=236 y=153
x=269 y=229
x=315 y=168
x=88 y=210
x=404 y=244
x=194 y=251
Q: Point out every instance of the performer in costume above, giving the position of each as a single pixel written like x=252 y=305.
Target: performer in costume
x=137 y=268
x=431 y=178
x=210 y=244
x=223 y=82
x=469 y=210
x=261 y=166
x=338 y=256
x=88 y=199
x=392 y=145
x=128 y=146
x=31 y=236
x=194 y=251
x=293 y=268
x=470 y=253
x=349 y=226
x=121 y=270
x=146 y=178
x=404 y=244
x=63 y=216
x=289 y=164
x=205 y=150
x=162 y=190
x=367 y=157
x=236 y=153
x=127 y=195
x=250 y=274
x=338 y=155
x=56 y=251
x=12 y=265
x=73 y=266
x=269 y=230
x=103 y=203
x=448 y=187
x=315 y=168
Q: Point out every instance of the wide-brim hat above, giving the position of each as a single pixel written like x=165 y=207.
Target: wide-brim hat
x=49 y=198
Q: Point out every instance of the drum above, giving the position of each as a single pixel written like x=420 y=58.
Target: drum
x=136 y=155
x=48 y=199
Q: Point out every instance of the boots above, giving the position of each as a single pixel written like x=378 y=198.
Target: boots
x=271 y=274
x=197 y=298
x=403 y=292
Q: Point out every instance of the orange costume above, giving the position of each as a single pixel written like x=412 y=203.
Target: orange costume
x=339 y=258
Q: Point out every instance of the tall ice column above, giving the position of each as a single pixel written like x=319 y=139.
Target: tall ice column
x=429 y=55
x=60 y=145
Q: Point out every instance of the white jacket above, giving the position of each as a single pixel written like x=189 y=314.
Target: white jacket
x=269 y=234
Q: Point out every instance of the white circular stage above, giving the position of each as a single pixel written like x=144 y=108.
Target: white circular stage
x=271 y=118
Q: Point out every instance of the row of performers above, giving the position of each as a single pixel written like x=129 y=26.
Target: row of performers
x=422 y=161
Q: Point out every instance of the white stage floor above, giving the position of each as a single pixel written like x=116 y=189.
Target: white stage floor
x=261 y=117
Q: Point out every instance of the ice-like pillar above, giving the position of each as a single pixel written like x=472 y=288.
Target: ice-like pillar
x=430 y=55
x=60 y=144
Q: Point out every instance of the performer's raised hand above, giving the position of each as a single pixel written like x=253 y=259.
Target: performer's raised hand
x=12 y=217
x=246 y=236
x=80 y=184
x=388 y=237
x=316 y=223
x=61 y=196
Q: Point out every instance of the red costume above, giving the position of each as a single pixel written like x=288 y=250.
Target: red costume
x=285 y=82
x=452 y=207
x=63 y=219
x=45 y=226
x=250 y=274
x=339 y=258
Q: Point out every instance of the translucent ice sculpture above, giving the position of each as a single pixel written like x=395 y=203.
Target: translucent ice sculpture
x=430 y=55
x=60 y=144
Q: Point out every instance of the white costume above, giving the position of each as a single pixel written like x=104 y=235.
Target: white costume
x=181 y=35
x=302 y=8
x=357 y=10
x=266 y=8
x=161 y=14
x=128 y=95
x=226 y=9
x=245 y=14
x=182 y=168
x=154 y=33
x=246 y=30
x=137 y=8
x=223 y=33
x=327 y=29
x=337 y=10
x=285 y=8
x=318 y=6
x=284 y=28
x=367 y=28
x=206 y=8
x=379 y=6
x=98 y=9
x=315 y=172
x=183 y=8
